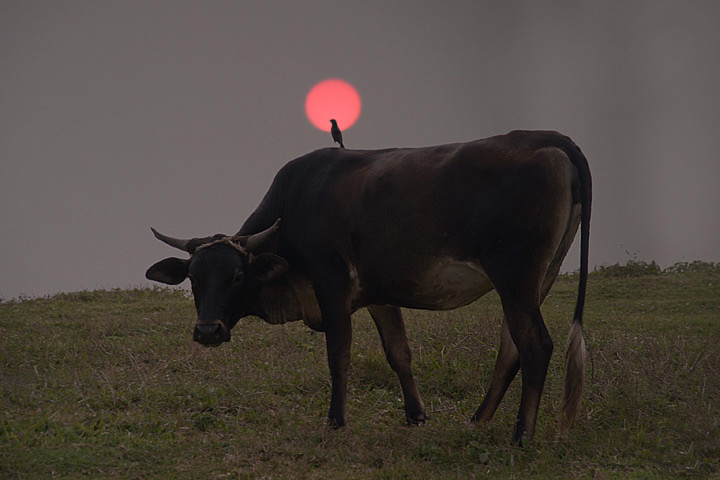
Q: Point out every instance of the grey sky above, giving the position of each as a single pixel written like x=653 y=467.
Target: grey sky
x=120 y=115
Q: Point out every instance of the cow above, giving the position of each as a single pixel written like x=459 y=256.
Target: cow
x=430 y=228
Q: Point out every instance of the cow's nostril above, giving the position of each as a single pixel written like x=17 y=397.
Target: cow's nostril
x=208 y=329
x=211 y=333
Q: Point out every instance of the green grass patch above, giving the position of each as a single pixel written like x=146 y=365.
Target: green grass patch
x=108 y=384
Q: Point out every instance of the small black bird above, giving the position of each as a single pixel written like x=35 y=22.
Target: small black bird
x=336 y=133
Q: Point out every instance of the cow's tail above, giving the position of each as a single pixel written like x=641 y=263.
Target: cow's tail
x=575 y=354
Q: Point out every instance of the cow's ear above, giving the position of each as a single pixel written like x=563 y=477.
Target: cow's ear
x=267 y=266
x=171 y=271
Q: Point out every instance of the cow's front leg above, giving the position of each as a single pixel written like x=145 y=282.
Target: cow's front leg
x=338 y=338
x=391 y=326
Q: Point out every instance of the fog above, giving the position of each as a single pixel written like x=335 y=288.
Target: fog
x=118 y=116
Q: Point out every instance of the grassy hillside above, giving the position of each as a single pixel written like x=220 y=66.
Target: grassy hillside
x=108 y=384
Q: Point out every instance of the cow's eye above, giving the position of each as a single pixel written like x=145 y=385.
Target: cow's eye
x=237 y=277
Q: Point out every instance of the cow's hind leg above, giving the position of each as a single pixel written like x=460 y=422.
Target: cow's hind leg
x=391 y=326
x=524 y=325
x=506 y=367
x=535 y=347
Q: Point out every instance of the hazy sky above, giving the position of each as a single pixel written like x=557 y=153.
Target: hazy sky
x=120 y=115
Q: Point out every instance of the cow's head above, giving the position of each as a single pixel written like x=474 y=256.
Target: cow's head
x=226 y=278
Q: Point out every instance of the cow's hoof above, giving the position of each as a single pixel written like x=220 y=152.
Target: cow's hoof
x=416 y=419
x=335 y=423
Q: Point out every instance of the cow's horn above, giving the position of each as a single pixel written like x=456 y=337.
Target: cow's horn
x=258 y=239
x=173 y=242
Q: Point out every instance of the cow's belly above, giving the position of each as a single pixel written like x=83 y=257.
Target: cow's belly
x=446 y=284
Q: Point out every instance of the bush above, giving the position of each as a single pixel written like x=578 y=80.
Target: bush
x=694 y=267
x=632 y=268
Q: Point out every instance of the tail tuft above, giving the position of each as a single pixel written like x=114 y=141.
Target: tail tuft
x=574 y=380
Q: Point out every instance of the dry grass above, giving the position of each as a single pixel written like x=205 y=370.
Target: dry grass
x=109 y=385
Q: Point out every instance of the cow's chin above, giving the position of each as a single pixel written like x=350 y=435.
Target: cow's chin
x=211 y=343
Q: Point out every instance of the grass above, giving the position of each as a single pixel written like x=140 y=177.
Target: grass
x=107 y=384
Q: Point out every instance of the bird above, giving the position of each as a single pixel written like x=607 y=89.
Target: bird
x=336 y=133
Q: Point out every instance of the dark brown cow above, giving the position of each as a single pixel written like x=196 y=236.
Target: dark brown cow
x=428 y=228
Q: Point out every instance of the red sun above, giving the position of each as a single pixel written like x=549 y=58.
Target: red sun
x=332 y=98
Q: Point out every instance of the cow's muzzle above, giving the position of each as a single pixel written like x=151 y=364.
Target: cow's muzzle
x=211 y=333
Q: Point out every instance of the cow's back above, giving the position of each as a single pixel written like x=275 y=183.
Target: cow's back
x=409 y=223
